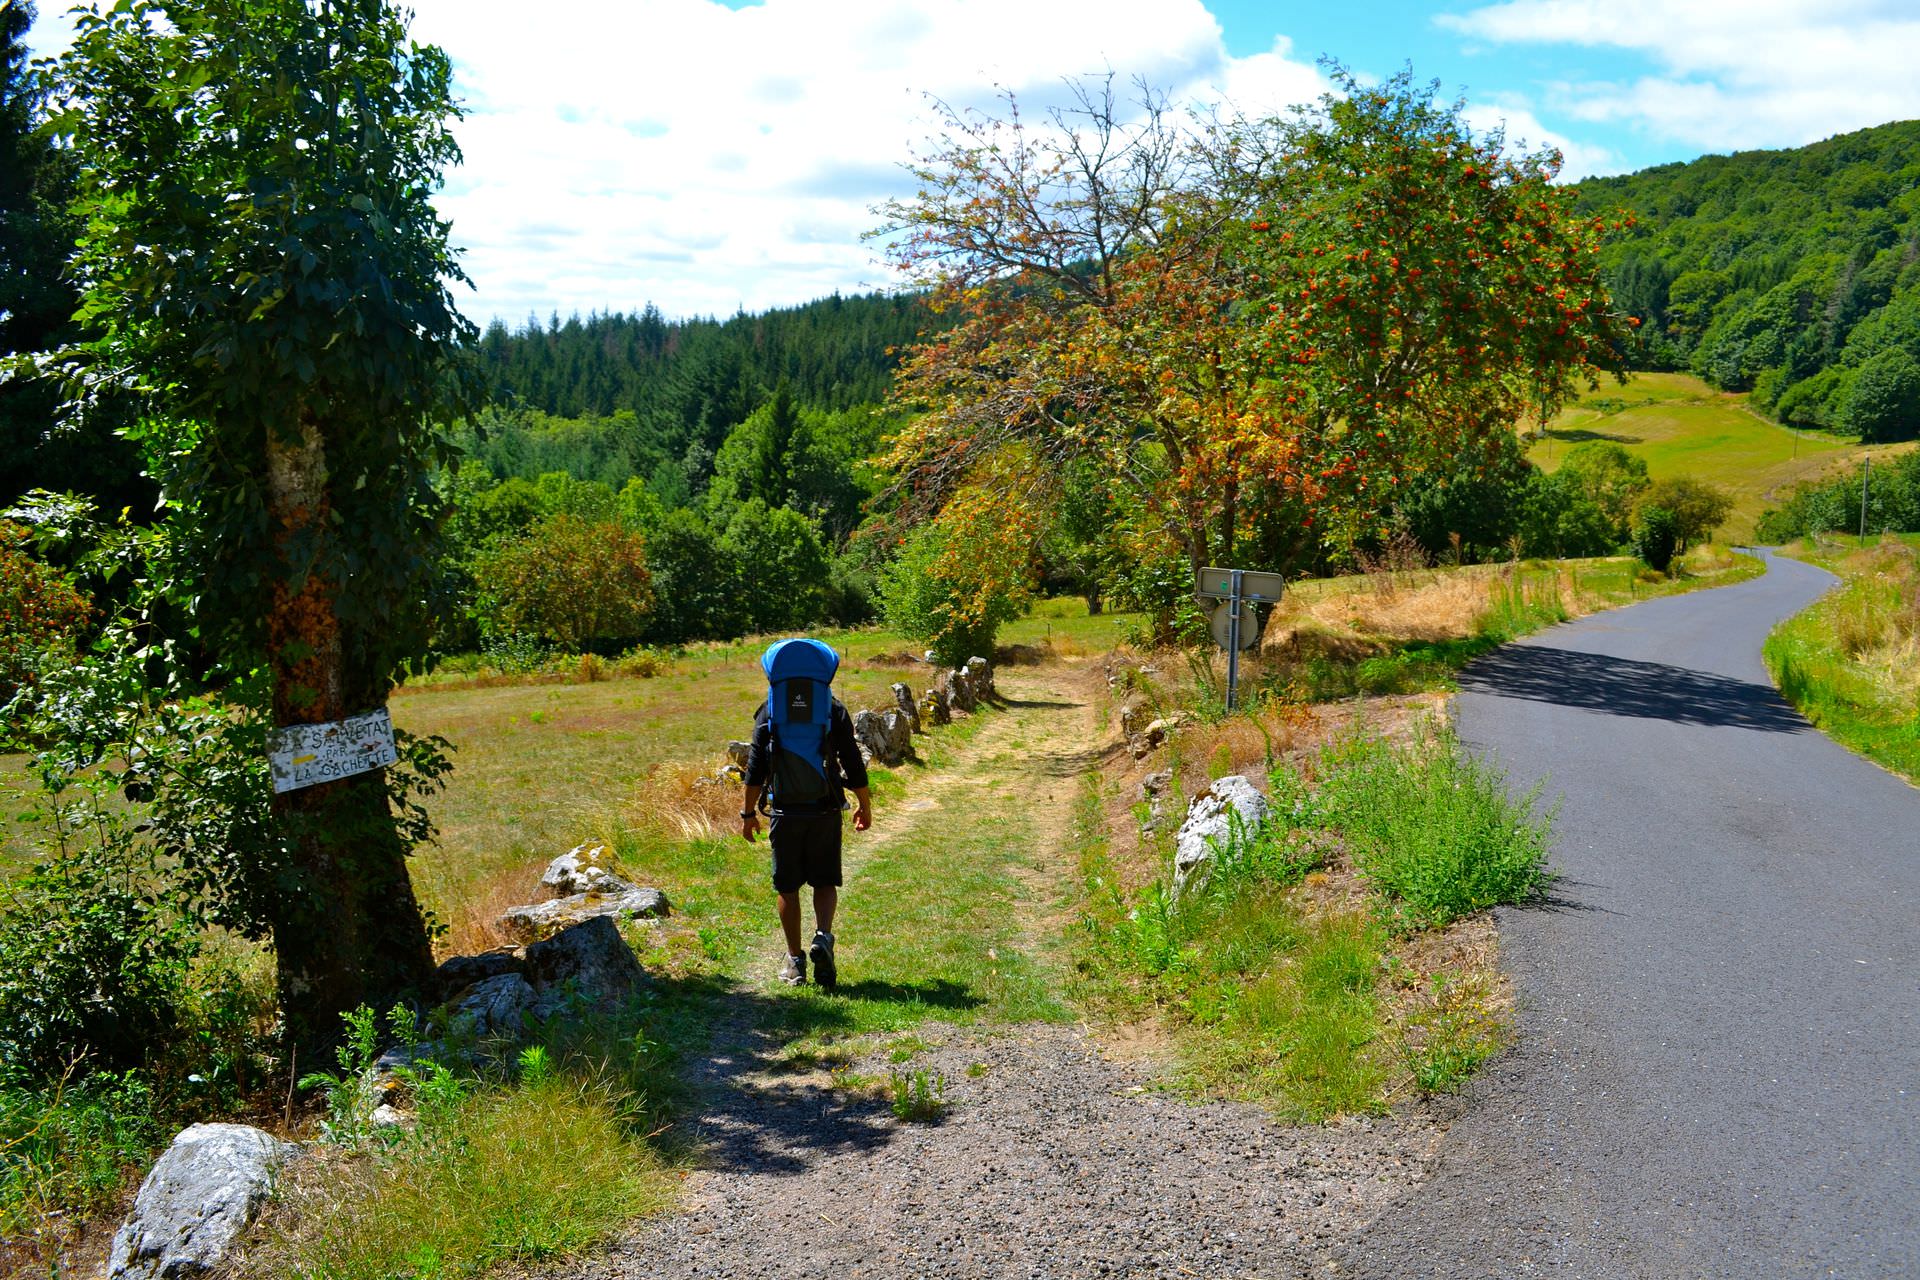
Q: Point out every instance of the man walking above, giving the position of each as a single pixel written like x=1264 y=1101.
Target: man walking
x=803 y=760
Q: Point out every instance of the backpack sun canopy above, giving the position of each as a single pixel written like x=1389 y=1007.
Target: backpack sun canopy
x=799 y=701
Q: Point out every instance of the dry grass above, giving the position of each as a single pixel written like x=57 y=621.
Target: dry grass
x=684 y=802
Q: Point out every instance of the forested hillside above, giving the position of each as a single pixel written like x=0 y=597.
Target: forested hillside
x=1795 y=274
x=619 y=397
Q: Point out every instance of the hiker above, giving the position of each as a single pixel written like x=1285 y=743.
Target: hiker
x=803 y=761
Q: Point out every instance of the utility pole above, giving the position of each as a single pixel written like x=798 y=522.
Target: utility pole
x=1866 y=470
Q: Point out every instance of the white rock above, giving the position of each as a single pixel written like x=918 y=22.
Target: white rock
x=1209 y=825
x=198 y=1198
x=585 y=869
x=903 y=698
x=591 y=960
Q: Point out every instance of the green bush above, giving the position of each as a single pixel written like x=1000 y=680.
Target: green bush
x=570 y=581
x=1656 y=536
x=953 y=602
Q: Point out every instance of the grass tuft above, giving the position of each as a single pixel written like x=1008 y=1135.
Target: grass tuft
x=1430 y=826
x=520 y=1175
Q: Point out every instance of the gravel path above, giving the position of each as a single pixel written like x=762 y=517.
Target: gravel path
x=1057 y=1157
x=1055 y=1160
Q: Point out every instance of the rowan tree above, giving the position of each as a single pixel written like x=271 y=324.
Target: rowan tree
x=262 y=261
x=1255 y=326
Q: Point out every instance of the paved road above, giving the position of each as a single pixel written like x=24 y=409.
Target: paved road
x=1719 y=1061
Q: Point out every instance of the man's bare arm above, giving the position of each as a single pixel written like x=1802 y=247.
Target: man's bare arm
x=750 y=813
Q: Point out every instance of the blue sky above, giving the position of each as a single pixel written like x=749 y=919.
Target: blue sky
x=708 y=156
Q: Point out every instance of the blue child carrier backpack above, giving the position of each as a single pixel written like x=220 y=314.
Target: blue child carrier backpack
x=799 y=709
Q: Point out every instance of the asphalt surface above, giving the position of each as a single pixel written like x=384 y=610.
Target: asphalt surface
x=1718 y=1060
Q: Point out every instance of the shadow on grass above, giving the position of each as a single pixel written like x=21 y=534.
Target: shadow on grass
x=1580 y=435
x=1628 y=687
x=736 y=1109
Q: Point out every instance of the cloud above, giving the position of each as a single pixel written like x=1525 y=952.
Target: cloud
x=705 y=158
x=1728 y=73
x=1525 y=133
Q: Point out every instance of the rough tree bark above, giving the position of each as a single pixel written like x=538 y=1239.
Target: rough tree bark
x=347 y=928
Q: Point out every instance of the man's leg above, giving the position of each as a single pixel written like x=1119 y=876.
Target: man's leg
x=826 y=898
x=788 y=905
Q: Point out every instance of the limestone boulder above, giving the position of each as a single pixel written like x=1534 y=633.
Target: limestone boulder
x=457 y=973
x=898 y=732
x=538 y=920
x=1230 y=803
x=197 y=1201
x=959 y=690
x=885 y=737
x=737 y=753
x=980 y=675
x=933 y=707
x=589 y=961
x=1134 y=715
x=495 y=1006
x=585 y=869
x=903 y=698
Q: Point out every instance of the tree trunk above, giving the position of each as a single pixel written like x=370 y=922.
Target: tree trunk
x=347 y=930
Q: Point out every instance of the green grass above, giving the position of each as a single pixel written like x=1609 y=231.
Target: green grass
x=520 y=1175
x=1284 y=998
x=1431 y=828
x=1682 y=426
x=1851 y=662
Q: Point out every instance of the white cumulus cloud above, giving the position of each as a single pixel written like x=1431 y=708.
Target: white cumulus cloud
x=707 y=158
x=1728 y=73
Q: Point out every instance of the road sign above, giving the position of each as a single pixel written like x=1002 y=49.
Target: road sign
x=1223 y=628
x=304 y=755
x=1217 y=584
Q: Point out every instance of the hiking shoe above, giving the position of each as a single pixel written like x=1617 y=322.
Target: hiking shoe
x=794 y=971
x=824 y=971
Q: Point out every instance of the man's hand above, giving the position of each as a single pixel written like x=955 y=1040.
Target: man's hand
x=862 y=817
x=749 y=825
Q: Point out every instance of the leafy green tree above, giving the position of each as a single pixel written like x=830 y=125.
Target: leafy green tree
x=1698 y=508
x=704 y=584
x=1308 y=309
x=576 y=583
x=958 y=580
x=1883 y=400
x=262 y=258
x=1611 y=479
x=37 y=299
x=788 y=572
x=1558 y=517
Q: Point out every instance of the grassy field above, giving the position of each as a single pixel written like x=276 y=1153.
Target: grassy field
x=1851 y=663
x=1682 y=426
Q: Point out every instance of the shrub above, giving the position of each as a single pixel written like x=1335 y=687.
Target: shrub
x=1656 y=536
x=571 y=581
x=952 y=593
x=39 y=610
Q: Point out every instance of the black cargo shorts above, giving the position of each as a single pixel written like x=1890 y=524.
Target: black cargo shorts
x=806 y=850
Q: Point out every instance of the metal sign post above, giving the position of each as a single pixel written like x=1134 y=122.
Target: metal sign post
x=1241 y=589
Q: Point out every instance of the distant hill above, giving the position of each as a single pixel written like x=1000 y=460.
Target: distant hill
x=1791 y=274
